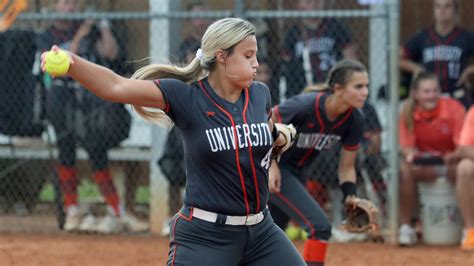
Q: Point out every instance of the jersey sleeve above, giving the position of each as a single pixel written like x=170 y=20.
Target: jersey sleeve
x=293 y=109
x=265 y=95
x=459 y=113
x=179 y=99
x=268 y=106
x=351 y=139
x=371 y=119
x=467 y=132
x=413 y=49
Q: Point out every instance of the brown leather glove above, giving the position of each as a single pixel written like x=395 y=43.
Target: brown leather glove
x=362 y=217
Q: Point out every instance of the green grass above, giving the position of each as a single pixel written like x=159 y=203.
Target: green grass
x=142 y=196
x=88 y=191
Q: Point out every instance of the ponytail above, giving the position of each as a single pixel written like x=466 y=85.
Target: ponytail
x=342 y=71
x=407 y=113
x=320 y=87
x=224 y=34
x=189 y=73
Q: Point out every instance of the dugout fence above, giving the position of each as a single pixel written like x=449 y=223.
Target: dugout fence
x=143 y=165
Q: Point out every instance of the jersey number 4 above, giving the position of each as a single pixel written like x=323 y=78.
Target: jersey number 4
x=267 y=159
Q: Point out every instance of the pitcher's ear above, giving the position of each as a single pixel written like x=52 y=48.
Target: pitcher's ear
x=221 y=56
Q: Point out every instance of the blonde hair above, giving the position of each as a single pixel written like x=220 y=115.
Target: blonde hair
x=410 y=103
x=316 y=88
x=223 y=34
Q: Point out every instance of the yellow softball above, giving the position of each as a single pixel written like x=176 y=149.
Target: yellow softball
x=57 y=63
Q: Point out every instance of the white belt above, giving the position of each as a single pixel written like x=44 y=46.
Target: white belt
x=251 y=219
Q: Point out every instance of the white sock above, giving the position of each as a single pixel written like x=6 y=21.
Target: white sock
x=72 y=210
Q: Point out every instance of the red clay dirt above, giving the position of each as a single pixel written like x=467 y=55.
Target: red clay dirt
x=63 y=249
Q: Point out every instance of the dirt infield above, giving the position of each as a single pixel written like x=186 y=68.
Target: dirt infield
x=62 y=249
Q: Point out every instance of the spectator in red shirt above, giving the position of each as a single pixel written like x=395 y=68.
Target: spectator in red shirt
x=464 y=154
x=431 y=124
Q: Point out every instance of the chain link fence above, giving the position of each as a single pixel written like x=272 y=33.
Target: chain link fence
x=60 y=146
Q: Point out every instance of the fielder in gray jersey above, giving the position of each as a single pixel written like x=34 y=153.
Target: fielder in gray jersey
x=322 y=119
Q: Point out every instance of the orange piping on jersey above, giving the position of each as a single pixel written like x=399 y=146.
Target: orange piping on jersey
x=237 y=160
x=321 y=130
x=187 y=218
x=443 y=71
x=173 y=240
x=254 y=172
x=167 y=105
x=277 y=113
x=352 y=148
x=467 y=132
x=344 y=119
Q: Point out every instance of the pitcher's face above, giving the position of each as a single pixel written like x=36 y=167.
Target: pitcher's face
x=241 y=65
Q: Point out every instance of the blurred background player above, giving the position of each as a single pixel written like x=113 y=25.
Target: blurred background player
x=428 y=123
x=312 y=46
x=193 y=30
x=322 y=119
x=78 y=115
x=444 y=49
x=464 y=154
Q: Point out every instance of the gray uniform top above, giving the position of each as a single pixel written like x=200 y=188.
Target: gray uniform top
x=227 y=145
x=316 y=132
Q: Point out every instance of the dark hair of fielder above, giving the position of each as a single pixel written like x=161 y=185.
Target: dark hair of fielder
x=340 y=73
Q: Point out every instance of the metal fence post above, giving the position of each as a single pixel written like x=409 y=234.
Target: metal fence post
x=394 y=84
x=239 y=8
x=159 y=52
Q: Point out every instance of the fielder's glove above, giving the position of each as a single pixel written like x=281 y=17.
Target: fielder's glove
x=289 y=133
x=362 y=217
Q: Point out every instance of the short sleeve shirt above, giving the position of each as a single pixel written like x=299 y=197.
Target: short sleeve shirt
x=227 y=145
x=446 y=56
x=325 y=45
x=316 y=132
x=372 y=124
x=467 y=132
x=371 y=119
x=437 y=133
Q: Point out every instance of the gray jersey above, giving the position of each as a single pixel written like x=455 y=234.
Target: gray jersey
x=227 y=145
x=316 y=132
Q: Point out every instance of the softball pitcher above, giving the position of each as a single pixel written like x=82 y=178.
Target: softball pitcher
x=228 y=140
